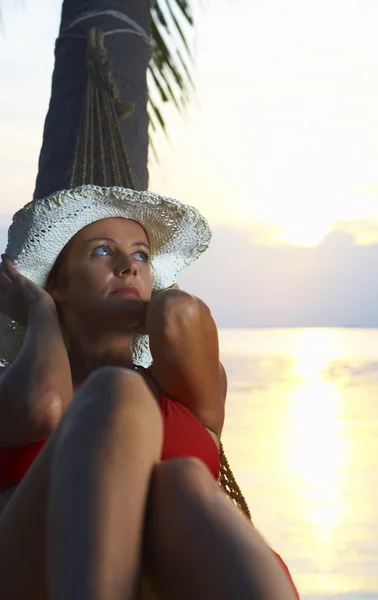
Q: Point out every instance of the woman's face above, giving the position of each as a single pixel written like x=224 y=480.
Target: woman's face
x=106 y=271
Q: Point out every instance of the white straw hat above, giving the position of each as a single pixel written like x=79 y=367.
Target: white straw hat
x=177 y=232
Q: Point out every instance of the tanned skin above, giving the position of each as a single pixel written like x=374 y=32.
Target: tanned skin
x=97 y=513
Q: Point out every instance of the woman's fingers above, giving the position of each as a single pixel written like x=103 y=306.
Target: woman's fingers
x=6 y=275
x=8 y=267
x=5 y=285
x=5 y=280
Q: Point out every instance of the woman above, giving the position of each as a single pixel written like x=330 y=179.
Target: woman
x=126 y=484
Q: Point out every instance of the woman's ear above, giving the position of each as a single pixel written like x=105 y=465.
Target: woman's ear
x=57 y=280
x=56 y=291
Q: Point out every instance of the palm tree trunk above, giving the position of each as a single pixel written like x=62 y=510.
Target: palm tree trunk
x=129 y=56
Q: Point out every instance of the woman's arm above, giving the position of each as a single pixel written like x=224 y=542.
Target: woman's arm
x=36 y=388
x=184 y=347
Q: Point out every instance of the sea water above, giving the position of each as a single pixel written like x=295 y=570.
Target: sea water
x=301 y=434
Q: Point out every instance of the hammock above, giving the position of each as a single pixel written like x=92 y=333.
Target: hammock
x=99 y=129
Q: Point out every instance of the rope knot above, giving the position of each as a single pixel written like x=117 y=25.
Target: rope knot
x=99 y=69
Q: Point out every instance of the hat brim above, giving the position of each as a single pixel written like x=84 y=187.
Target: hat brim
x=178 y=235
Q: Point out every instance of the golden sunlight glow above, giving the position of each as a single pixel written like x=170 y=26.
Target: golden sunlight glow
x=319 y=447
x=314 y=349
x=301 y=435
x=302 y=442
x=307 y=233
x=300 y=151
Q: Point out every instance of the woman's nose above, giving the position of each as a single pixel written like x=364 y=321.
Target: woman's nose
x=125 y=265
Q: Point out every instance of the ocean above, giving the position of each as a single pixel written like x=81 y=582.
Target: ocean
x=301 y=435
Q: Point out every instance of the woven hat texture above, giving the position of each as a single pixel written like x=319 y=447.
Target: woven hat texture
x=177 y=232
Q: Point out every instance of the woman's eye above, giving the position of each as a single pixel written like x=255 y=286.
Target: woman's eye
x=102 y=251
x=141 y=256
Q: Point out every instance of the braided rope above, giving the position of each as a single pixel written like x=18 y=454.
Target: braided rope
x=100 y=124
x=100 y=132
x=229 y=484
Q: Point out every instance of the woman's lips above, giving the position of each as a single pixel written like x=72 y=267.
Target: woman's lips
x=126 y=291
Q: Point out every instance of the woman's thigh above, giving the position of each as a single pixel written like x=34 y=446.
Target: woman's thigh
x=199 y=545
x=23 y=523
x=23 y=573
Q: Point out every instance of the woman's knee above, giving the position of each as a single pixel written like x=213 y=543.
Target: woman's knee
x=114 y=391
x=115 y=380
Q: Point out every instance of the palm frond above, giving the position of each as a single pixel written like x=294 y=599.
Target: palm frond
x=169 y=76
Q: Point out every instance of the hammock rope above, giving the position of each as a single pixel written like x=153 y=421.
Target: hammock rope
x=100 y=125
x=99 y=129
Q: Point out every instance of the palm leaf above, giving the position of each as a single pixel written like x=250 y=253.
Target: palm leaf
x=169 y=76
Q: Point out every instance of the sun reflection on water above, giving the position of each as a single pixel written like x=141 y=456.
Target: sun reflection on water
x=301 y=435
x=318 y=446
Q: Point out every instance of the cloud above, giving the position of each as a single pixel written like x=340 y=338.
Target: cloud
x=364 y=230
x=249 y=285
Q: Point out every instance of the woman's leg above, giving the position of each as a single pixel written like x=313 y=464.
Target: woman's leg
x=99 y=488
x=198 y=545
x=92 y=480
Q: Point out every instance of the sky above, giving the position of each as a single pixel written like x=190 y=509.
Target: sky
x=279 y=149
x=284 y=141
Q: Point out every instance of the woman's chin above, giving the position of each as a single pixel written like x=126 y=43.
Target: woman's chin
x=130 y=312
x=126 y=303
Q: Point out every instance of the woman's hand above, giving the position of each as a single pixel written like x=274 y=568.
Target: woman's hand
x=18 y=294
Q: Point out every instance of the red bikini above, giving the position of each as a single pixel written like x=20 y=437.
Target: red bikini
x=184 y=436
x=14 y=462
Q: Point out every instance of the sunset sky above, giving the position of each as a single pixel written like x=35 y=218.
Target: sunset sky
x=285 y=136
x=280 y=141
x=282 y=137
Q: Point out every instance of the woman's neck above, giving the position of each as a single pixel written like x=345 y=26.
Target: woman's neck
x=89 y=352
